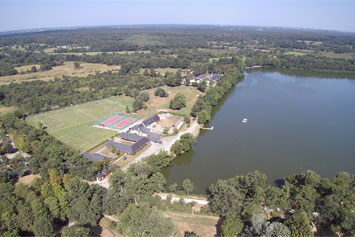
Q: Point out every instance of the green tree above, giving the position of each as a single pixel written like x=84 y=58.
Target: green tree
x=54 y=177
x=137 y=105
x=299 y=224
x=33 y=69
x=232 y=225
x=172 y=187
x=203 y=117
x=117 y=180
x=160 y=160
x=76 y=230
x=187 y=120
x=160 y=92
x=276 y=229
x=187 y=186
x=202 y=86
x=187 y=140
x=142 y=220
x=40 y=124
x=113 y=149
x=77 y=65
x=43 y=221
x=178 y=102
x=144 y=96
x=177 y=148
x=173 y=80
x=128 y=111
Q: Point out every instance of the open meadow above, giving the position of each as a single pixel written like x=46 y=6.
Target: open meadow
x=156 y=104
x=67 y=69
x=74 y=125
x=97 y=53
x=200 y=224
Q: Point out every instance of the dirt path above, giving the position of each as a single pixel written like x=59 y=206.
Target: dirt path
x=104 y=183
x=112 y=218
x=187 y=199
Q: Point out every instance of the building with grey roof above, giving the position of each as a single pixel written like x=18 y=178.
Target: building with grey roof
x=151 y=120
x=129 y=149
x=96 y=157
x=154 y=137
x=130 y=137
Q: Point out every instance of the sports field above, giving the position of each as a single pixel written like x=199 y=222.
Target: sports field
x=74 y=125
x=117 y=121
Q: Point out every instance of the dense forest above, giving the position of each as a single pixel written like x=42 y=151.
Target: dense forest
x=178 y=47
x=63 y=202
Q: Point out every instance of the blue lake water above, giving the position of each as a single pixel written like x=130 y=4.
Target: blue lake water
x=295 y=124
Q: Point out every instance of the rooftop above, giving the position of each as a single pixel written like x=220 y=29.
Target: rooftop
x=149 y=121
x=130 y=137
x=130 y=149
x=96 y=157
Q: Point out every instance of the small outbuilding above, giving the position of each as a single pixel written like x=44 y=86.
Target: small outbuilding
x=103 y=174
x=96 y=157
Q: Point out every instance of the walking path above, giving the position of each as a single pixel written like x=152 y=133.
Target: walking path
x=175 y=198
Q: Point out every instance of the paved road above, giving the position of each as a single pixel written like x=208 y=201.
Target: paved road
x=154 y=149
x=165 y=146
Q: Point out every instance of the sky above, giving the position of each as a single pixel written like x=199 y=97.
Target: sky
x=313 y=14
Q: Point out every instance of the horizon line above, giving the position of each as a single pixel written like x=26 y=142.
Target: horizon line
x=34 y=30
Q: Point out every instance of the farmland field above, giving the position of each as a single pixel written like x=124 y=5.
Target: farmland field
x=295 y=53
x=96 y=53
x=74 y=125
x=67 y=69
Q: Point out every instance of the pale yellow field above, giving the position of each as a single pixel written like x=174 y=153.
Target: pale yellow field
x=27 y=67
x=67 y=69
x=200 y=224
x=4 y=110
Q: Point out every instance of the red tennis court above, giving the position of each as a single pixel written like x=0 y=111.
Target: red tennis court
x=124 y=123
x=111 y=120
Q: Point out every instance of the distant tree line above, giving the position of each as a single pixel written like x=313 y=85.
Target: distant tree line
x=39 y=96
x=204 y=104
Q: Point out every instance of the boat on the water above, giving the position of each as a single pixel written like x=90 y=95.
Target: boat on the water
x=211 y=128
x=244 y=120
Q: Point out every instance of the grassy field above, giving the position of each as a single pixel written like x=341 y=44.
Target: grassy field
x=201 y=225
x=74 y=125
x=67 y=69
x=156 y=104
x=217 y=59
x=27 y=67
x=96 y=53
x=338 y=55
x=294 y=53
x=4 y=110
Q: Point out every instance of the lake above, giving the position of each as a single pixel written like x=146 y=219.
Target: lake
x=295 y=123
